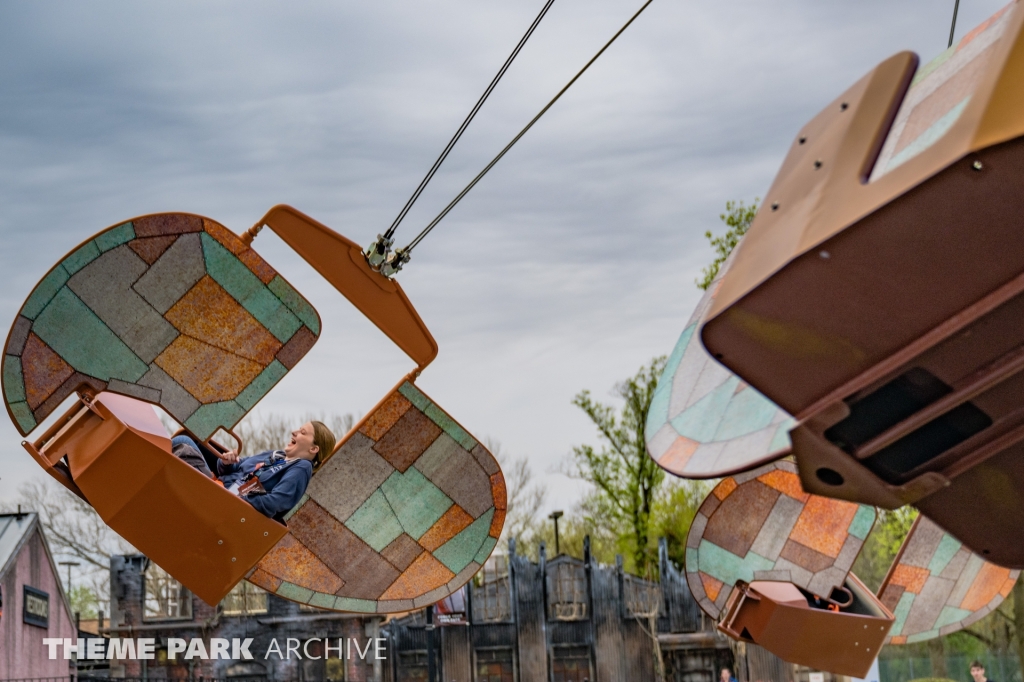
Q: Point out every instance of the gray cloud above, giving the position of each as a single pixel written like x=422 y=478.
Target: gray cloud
x=567 y=268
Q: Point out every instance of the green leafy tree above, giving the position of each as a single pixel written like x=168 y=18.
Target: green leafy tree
x=675 y=507
x=525 y=498
x=585 y=520
x=737 y=218
x=84 y=601
x=883 y=544
x=625 y=478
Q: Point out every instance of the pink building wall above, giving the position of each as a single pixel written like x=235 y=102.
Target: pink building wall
x=22 y=653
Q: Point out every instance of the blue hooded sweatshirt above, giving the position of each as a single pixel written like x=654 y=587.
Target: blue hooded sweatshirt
x=284 y=481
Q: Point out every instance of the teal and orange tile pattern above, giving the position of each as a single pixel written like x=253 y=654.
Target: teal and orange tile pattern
x=170 y=308
x=405 y=513
x=937 y=586
x=704 y=422
x=939 y=94
x=761 y=525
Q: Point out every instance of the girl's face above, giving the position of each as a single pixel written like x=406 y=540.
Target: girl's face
x=301 y=444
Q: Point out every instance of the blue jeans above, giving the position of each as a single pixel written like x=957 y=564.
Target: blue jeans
x=185 y=449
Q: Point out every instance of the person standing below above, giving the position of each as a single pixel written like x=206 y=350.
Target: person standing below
x=726 y=675
x=978 y=672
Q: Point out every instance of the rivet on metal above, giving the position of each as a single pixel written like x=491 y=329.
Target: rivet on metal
x=977 y=165
x=232 y=558
x=265 y=533
x=220 y=542
x=825 y=255
x=243 y=520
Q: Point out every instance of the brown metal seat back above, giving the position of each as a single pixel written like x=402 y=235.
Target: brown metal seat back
x=118 y=456
x=781 y=618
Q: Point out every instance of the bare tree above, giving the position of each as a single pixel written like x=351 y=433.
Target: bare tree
x=75 y=532
x=72 y=526
x=262 y=432
x=526 y=496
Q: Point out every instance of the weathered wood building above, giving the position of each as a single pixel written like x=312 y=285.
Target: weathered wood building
x=34 y=603
x=557 y=620
x=146 y=602
x=564 y=620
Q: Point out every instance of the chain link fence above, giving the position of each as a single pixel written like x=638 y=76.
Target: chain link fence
x=1003 y=667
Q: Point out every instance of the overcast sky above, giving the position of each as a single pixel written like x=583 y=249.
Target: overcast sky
x=568 y=267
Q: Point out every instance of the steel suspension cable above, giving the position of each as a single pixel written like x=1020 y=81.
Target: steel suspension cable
x=433 y=223
x=465 y=124
x=956 y=6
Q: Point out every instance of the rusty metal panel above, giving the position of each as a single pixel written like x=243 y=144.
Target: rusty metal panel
x=491 y=592
x=170 y=308
x=611 y=633
x=762 y=526
x=937 y=586
x=569 y=632
x=404 y=513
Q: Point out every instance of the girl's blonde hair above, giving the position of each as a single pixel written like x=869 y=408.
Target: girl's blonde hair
x=324 y=439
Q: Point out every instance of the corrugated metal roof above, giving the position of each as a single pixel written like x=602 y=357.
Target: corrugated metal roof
x=14 y=530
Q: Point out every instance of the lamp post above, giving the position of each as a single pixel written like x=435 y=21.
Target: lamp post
x=69 y=564
x=554 y=516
